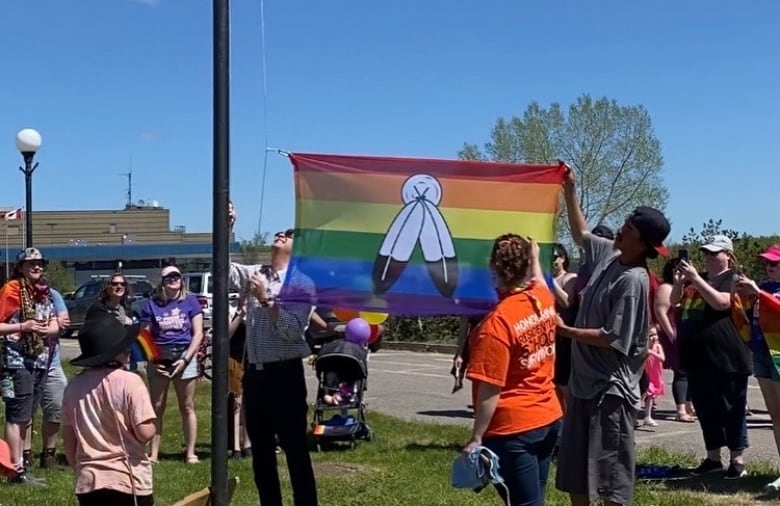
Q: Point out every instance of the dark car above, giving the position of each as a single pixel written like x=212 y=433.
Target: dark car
x=138 y=289
x=316 y=336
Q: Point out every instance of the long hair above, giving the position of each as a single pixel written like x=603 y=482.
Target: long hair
x=105 y=293
x=160 y=296
x=510 y=259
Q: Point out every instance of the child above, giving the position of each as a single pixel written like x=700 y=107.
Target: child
x=108 y=419
x=338 y=392
x=654 y=368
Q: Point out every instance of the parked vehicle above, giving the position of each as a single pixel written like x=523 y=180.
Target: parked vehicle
x=138 y=290
x=316 y=336
x=201 y=285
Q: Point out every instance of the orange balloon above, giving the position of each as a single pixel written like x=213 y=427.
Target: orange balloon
x=345 y=315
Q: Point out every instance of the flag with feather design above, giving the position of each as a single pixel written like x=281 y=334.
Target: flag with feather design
x=413 y=236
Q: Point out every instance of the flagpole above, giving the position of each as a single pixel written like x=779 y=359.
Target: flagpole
x=7 y=273
x=220 y=253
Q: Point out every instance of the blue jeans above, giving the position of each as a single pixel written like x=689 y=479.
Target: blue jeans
x=524 y=463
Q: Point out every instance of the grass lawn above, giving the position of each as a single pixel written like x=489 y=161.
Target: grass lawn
x=407 y=464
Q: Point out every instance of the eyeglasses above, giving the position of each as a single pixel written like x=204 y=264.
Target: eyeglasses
x=118 y=283
x=171 y=278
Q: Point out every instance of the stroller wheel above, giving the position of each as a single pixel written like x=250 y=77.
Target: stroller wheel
x=352 y=444
x=369 y=435
x=318 y=447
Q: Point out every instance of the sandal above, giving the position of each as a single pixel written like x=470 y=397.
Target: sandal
x=685 y=418
x=192 y=459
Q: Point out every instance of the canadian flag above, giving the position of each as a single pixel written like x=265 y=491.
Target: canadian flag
x=16 y=214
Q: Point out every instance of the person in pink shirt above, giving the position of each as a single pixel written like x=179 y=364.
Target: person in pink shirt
x=108 y=419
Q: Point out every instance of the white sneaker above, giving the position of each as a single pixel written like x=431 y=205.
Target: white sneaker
x=773 y=487
x=649 y=422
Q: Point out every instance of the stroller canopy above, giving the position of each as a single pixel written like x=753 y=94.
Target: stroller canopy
x=348 y=360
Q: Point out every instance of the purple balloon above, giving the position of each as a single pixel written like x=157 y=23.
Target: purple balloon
x=358 y=331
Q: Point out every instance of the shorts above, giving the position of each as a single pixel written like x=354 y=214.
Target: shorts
x=27 y=386
x=49 y=398
x=596 y=456
x=176 y=350
x=763 y=365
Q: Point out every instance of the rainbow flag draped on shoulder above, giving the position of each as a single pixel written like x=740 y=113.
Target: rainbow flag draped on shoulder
x=768 y=308
x=413 y=236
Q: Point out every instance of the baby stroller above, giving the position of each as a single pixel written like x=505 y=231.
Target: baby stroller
x=342 y=371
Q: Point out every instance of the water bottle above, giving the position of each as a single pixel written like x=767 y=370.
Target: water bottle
x=7 y=387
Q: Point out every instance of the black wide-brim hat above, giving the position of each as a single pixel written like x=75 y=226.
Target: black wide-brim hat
x=102 y=338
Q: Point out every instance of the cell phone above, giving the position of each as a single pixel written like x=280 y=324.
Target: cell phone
x=682 y=255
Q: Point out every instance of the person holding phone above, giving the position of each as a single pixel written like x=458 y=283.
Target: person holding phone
x=713 y=354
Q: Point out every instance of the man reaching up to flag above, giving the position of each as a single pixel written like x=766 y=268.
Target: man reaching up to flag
x=596 y=459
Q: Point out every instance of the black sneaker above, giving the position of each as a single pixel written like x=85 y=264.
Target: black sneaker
x=24 y=478
x=708 y=466
x=736 y=471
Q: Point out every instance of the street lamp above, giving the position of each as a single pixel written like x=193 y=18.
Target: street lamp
x=28 y=141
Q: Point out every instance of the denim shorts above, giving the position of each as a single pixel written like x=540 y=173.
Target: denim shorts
x=49 y=397
x=174 y=351
x=763 y=365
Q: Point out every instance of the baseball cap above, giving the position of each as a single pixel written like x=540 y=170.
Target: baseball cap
x=171 y=269
x=653 y=228
x=603 y=231
x=772 y=253
x=718 y=243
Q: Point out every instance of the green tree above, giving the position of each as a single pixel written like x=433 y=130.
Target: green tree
x=255 y=250
x=442 y=329
x=60 y=278
x=611 y=147
x=746 y=247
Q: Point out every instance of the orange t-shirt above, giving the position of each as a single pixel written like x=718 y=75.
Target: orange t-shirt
x=514 y=348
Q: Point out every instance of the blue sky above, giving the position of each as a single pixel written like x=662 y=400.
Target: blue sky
x=104 y=80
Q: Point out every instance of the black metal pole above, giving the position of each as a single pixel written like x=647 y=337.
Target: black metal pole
x=220 y=254
x=28 y=170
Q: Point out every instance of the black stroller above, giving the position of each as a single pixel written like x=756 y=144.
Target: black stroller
x=342 y=371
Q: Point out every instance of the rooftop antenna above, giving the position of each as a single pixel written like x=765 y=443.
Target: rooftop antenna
x=129 y=176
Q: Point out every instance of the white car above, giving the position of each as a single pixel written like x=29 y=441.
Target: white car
x=201 y=285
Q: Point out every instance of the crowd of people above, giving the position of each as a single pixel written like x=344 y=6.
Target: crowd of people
x=561 y=367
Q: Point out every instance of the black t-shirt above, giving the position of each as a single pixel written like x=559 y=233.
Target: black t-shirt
x=708 y=341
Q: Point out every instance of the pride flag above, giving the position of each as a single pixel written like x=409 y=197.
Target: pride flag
x=144 y=349
x=413 y=236
x=768 y=321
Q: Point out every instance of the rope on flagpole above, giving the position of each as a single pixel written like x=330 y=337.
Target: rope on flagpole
x=265 y=116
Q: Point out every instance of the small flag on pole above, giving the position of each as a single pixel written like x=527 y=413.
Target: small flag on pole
x=16 y=214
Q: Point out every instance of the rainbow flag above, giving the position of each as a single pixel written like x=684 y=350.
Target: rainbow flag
x=413 y=236
x=144 y=349
x=768 y=321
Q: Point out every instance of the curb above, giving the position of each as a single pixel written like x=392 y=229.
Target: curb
x=420 y=347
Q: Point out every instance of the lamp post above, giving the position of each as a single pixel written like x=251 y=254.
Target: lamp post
x=28 y=141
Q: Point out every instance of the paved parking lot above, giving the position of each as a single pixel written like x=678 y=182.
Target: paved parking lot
x=417 y=386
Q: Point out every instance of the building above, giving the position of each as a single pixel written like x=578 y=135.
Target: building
x=139 y=237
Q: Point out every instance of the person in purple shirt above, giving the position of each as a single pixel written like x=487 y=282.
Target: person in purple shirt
x=175 y=320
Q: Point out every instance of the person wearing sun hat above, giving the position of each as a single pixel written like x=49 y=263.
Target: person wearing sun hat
x=108 y=418
x=28 y=327
x=761 y=313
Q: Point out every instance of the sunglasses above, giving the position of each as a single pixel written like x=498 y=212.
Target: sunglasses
x=172 y=277
x=118 y=283
x=772 y=263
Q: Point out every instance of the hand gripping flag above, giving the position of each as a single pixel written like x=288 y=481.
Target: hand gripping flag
x=413 y=236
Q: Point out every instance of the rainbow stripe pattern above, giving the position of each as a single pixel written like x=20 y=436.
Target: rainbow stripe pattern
x=144 y=349
x=768 y=321
x=413 y=236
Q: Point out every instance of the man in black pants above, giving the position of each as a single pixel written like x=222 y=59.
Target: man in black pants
x=274 y=383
